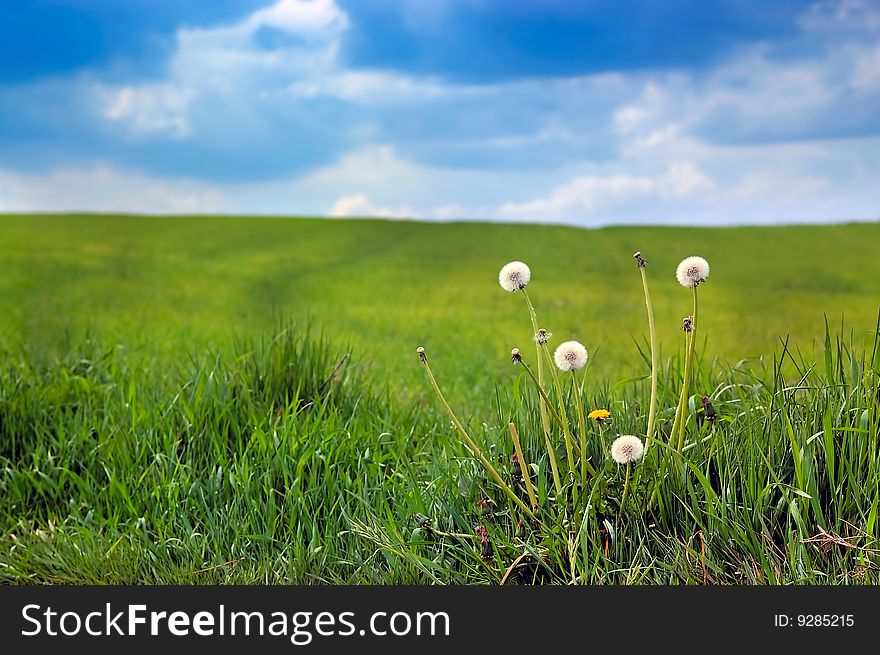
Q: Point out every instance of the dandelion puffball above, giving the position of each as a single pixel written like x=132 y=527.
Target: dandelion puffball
x=514 y=276
x=627 y=449
x=692 y=271
x=570 y=356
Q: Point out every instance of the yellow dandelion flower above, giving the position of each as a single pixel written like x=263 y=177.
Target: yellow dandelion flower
x=599 y=415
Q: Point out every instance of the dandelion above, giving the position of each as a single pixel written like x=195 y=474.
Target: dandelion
x=514 y=276
x=542 y=336
x=598 y=415
x=627 y=449
x=692 y=271
x=570 y=356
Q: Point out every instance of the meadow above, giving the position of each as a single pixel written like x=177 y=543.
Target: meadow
x=195 y=400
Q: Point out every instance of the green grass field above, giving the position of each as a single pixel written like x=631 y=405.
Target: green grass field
x=175 y=405
x=173 y=285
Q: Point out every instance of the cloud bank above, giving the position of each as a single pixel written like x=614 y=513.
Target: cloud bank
x=267 y=114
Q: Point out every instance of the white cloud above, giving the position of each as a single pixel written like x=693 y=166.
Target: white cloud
x=751 y=97
x=378 y=88
x=583 y=196
x=359 y=205
x=149 y=108
x=227 y=69
x=301 y=17
x=841 y=15
x=684 y=179
x=226 y=65
x=101 y=188
x=866 y=76
x=751 y=184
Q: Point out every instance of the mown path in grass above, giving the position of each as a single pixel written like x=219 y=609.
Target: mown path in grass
x=171 y=285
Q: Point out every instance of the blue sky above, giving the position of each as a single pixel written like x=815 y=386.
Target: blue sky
x=588 y=112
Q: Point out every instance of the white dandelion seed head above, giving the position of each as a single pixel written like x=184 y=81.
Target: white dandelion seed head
x=514 y=276
x=542 y=336
x=627 y=449
x=692 y=271
x=570 y=356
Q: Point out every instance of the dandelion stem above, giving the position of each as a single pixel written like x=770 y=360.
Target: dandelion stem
x=625 y=489
x=543 y=402
x=566 y=430
x=459 y=535
x=542 y=393
x=471 y=444
x=673 y=433
x=688 y=366
x=523 y=467
x=652 y=410
x=582 y=426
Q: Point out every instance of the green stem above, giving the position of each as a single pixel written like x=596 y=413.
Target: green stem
x=682 y=394
x=557 y=384
x=652 y=411
x=471 y=444
x=582 y=425
x=543 y=402
x=542 y=392
x=459 y=535
x=625 y=489
x=523 y=467
x=688 y=365
x=569 y=440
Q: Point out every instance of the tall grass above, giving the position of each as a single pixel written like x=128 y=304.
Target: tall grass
x=283 y=461
x=783 y=487
x=238 y=467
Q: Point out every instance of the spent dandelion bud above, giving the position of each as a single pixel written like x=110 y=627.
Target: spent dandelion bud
x=542 y=336
x=627 y=449
x=570 y=356
x=692 y=271
x=485 y=544
x=515 y=356
x=514 y=276
x=709 y=409
x=640 y=261
x=687 y=324
x=421 y=351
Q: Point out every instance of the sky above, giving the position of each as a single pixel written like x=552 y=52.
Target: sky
x=587 y=113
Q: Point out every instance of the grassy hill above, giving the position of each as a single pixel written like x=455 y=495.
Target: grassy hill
x=178 y=284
